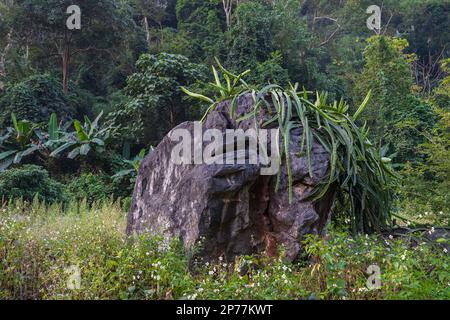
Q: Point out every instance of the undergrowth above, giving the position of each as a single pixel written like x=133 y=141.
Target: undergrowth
x=42 y=249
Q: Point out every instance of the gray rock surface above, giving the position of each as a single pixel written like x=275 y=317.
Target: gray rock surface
x=231 y=209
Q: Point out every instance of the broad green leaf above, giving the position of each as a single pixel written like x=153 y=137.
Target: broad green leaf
x=98 y=141
x=6 y=154
x=84 y=149
x=14 y=121
x=61 y=148
x=6 y=163
x=53 y=127
x=74 y=153
x=82 y=136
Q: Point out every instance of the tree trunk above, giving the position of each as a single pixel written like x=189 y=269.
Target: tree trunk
x=3 y=59
x=147 y=31
x=227 y=8
x=2 y=69
x=66 y=62
x=172 y=117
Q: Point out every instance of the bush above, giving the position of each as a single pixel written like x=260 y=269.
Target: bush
x=35 y=99
x=271 y=71
x=28 y=181
x=424 y=189
x=92 y=187
x=155 y=101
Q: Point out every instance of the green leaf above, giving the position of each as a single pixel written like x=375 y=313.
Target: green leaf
x=6 y=154
x=123 y=173
x=98 y=141
x=196 y=95
x=216 y=77
x=82 y=136
x=94 y=124
x=14 y=121
x=53 y=127
x=61 y=148
x=286 y=141
x=74 y=153
x=6 y=163
x=18 y=158
x=141 y=153
x=363 y=106
x=30 y=150
x=84 y=149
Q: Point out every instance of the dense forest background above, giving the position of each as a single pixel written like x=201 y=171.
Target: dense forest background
x=127 y=62
x=80 y=109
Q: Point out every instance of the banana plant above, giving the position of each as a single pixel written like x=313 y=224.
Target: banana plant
x=132 y=164
x=17 y=142
x=86 y=137
x=52 y=137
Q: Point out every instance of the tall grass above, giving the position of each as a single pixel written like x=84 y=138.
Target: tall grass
x=40 y=247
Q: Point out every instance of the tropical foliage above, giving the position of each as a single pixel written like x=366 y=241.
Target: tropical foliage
x=79 y=107
x=86 y=137
x=31 y=182
x=26 y=138
x=358 y=169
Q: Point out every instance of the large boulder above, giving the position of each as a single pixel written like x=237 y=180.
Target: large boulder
x=230 y=209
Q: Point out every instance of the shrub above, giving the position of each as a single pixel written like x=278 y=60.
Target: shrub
x=92 y=187
x=271 y=71
x=35 y=99
x=156 y=103
x=423 y=192
x=28 y=181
